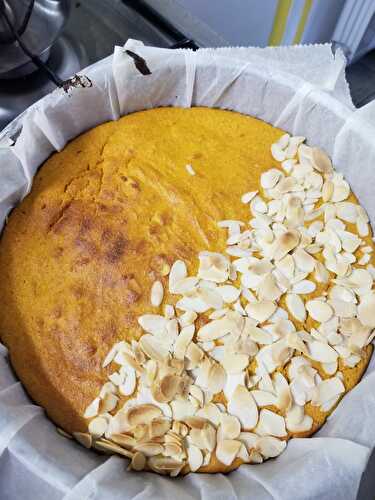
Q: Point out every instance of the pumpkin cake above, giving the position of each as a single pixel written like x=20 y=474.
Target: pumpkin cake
x=188 y=288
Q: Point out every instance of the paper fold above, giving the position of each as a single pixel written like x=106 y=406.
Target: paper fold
x=300 y=89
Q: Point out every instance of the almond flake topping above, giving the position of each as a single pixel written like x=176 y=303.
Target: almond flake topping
x=226 y=371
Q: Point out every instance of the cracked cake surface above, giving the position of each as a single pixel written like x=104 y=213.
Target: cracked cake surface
x=135 y=225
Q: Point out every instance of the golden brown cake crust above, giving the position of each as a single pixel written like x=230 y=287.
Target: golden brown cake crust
x=80 y=254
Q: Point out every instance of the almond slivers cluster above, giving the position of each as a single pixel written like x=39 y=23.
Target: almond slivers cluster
x=198 y=391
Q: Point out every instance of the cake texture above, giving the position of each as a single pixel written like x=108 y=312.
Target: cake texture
x=245 y=345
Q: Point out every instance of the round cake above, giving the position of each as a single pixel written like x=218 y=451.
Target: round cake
x=188 y=288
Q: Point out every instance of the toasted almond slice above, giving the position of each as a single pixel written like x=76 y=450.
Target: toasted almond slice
x=213 y=267
x=366 y=309
x=234 y=363
x=347 y=211
x=138 y=461
x=303 y=287
x=123 y=440
x=178 y=272
x=304 y=261
x=326 y=390
x=164 y=465
x=270 y=447
x=285 y=243
x=210 y=412
x=264 y=398
x=327 y=190
x=216 y=378
x=215 y=329
x=341 y=191
x=229 y=293
x=63 y=433
x=169 y=312
x=170 y=386
x=108 y=447
x=183 y=340
x=98 y=426
x=270 y=178
x=268 y=289
x=195 y=458
x=153 y=323
x=142 y=414
x=321 y=273
x=92 y=409
x=362 y=228
x=318 y=351
x=149 y=449
x=270 y=424
x=296 y=306
x=230 y=427
x=83 y=438
x=157 y=293
x=247 y=197
x=243 y=406
x=187 y=318
x=194 y=354
x=153 y=348
x=183 y=408
x=261 y=311
x=284 y=397
x=185 y=285
x=227 y=450
x=109 y=403
x=321 y=162
x=319 y=310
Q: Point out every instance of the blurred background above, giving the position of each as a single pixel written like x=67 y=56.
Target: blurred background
x=68 y=35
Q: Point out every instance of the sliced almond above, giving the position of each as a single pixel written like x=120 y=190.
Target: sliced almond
x=227 y=450
x=123 y=440
x=195 y=458
x=149 y=449
x=270 y=178
x=303 y=287
x=321 y=162
x=230 y=427
x=229 y=293
x=243 y=406
x=164 y=465
x=142 y=414
x=169 y=387
x=83 y=438
x=270 y=424
x=264 y=398
x=178 y=272
x=215 y=329
x=326 y=390
x=366 y=310
x=216 y=378
x=92 y=409
x=157 y=293
x=109 y=447
x=296 y=306
x=235 y=363
x=153 y=323
x=183 y=340
x=270 y=447
x=319 y=351
x=153 y=348
x=285 y=243
x=98 y=426
x=319 y=310
x=138 y=462
x=261 y=310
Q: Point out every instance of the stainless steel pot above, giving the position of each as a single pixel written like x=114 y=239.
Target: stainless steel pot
x=47 y=19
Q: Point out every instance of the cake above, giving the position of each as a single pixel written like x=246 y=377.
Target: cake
x=188 y=288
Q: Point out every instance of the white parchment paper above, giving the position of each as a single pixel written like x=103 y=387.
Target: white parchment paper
x=300 y=89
